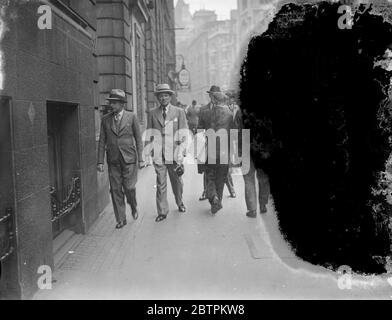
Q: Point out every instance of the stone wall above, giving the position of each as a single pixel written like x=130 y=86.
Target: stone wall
x=43 y=65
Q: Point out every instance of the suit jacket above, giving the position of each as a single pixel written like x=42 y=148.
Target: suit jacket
x=127 y=141
x=175 y=120
x=192 y=115
x=217 y=118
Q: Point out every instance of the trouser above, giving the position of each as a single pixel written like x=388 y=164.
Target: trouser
x=161 y=194
x=122 y=179
x=250 y=188
x=229 y=183
x=216 y=177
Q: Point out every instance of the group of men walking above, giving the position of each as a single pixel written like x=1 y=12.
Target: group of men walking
x=126 y=152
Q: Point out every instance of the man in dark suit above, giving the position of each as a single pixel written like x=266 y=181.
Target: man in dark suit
x=120 y=136
x=216 y=116
x=169 y=121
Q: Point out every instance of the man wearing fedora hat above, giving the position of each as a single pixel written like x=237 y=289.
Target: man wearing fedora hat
x=120 y=136
x=216 y=116
x=168 y=120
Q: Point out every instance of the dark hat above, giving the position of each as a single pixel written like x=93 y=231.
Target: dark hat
x=163 y=88
x=214 y=89
x=117 y=95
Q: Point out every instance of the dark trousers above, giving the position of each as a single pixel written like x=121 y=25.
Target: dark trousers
x=216 y=178
x=229 y=183
x=122 y=179
x=251 y=196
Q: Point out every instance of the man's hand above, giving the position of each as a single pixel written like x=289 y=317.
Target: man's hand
x=147 y=160
x=142 y=164
x=100 y=168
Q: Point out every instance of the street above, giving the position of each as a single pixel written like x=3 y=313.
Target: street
x=193 y=255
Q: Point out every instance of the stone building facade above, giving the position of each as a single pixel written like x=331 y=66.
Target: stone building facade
x=48 y=170
x=136 y=49
x=53 y=85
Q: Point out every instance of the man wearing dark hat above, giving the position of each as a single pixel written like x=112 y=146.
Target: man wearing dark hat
x=216 y=116
x=120 y=136
x=168 y=120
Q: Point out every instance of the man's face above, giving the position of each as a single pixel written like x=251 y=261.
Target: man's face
x=116 y=106
x=213 y=98
x=164 y=99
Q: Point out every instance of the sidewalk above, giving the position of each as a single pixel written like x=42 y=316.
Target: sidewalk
x=193 y=255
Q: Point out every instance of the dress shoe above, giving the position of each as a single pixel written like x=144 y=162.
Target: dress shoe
x=233 y=195
x=121 y=224
x=182 y=208
x=135 y=215
x=263 y=209
x=251 y=214
x=203 y=196
x=215 y=205
x=160 y=218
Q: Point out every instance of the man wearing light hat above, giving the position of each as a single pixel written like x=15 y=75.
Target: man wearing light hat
x=168 y=120
x=121 y=138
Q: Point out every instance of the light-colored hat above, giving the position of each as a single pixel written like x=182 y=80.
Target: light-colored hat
x=163 y=88
x=117 y=95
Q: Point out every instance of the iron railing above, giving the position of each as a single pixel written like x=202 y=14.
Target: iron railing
x=63 y=205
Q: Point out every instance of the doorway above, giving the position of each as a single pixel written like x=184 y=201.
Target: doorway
x=64 y=166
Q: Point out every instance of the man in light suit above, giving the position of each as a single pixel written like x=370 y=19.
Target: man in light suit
x=120 y=136
x=167 y=120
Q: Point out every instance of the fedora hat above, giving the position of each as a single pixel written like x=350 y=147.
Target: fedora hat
x=163 y=88
x=117 y=95
x=214 y=89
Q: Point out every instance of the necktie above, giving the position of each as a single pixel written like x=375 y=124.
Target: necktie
x=164 y=113
x=117 y=119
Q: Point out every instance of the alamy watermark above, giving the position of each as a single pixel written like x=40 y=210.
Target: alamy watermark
x=223 y=146
x=45 y=18
x=45 y=280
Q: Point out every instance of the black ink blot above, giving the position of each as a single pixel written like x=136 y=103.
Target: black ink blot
x=315 y=101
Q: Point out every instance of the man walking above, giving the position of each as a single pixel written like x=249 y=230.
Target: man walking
x=216 y=116
x=168 y=120
x=251 y=196
x=120 y=136
x=192 y=115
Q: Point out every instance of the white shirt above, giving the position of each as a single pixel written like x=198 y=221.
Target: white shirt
x=119 y=115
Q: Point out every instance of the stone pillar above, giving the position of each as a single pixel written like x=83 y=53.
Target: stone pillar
x=114 y=49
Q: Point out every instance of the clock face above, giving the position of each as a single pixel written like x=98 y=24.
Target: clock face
x=184 y=77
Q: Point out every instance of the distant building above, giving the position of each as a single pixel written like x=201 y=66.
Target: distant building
x=184 y=22
x=213 y=50
x=208 y=51
x=251 y=18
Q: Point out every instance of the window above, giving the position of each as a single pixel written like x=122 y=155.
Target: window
x=139 y=78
